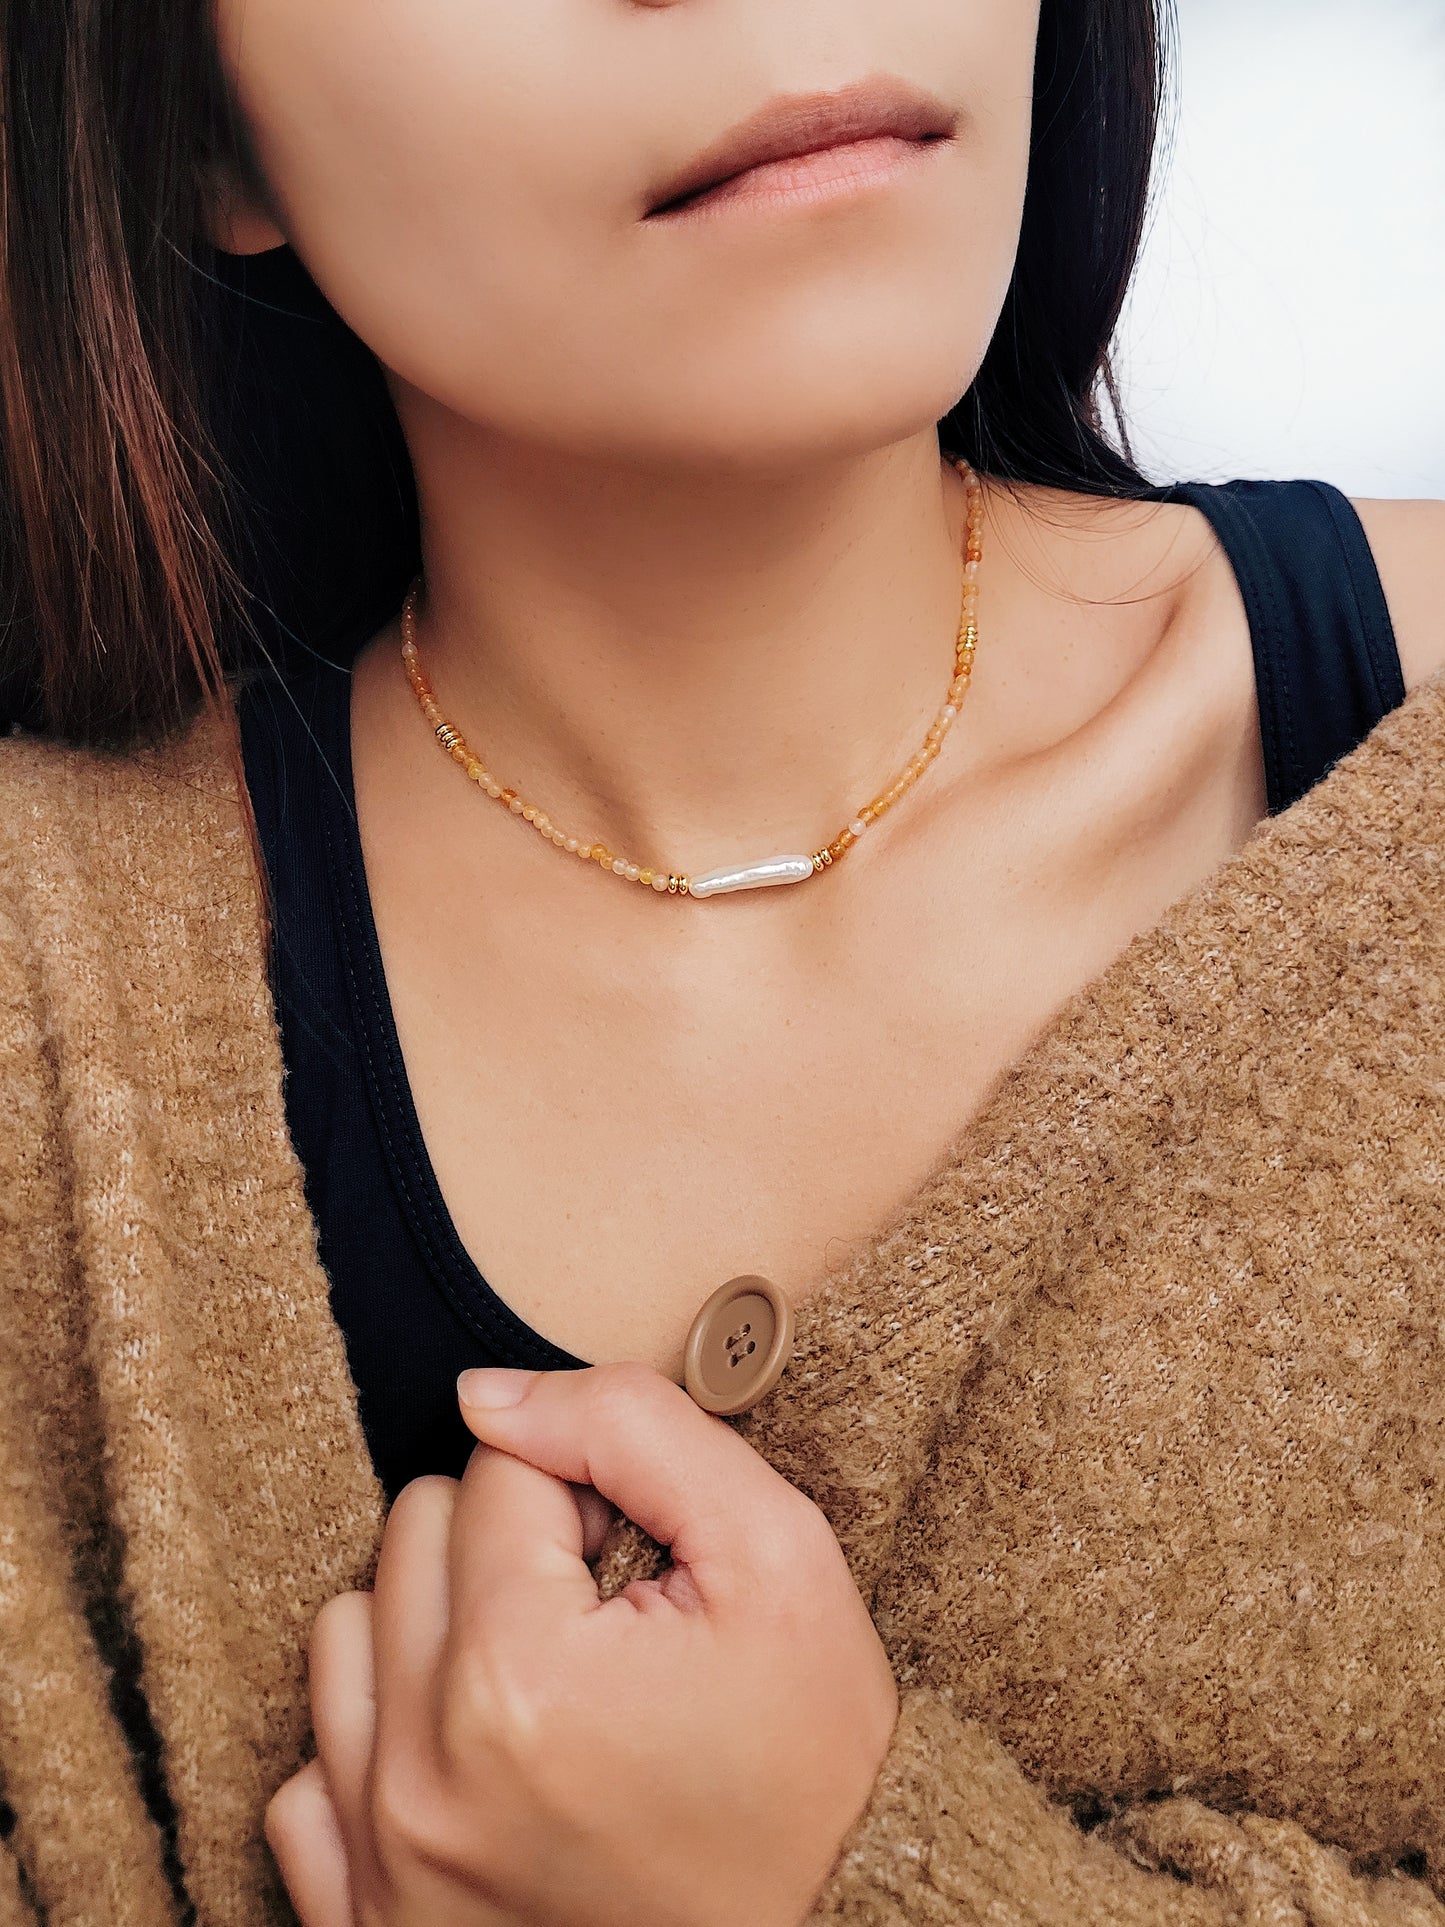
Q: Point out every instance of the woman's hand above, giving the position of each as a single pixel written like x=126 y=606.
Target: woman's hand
x=496 y=1745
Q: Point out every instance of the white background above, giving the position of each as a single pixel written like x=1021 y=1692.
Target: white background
x=1288 y=315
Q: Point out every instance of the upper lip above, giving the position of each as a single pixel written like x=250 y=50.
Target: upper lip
x=801 y=123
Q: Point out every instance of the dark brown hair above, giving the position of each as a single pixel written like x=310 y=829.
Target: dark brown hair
x=168 y=505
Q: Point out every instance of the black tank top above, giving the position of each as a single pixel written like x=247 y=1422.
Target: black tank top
x=413 y=1307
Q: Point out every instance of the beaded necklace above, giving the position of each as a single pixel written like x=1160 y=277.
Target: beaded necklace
x=747 y=876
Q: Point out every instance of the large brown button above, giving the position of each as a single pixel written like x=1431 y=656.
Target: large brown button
x=739 y=1345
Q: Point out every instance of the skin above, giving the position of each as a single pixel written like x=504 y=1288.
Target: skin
x=693 y=575
x=521 y=1753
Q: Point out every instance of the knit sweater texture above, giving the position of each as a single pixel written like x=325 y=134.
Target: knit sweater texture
x=1131 y=1423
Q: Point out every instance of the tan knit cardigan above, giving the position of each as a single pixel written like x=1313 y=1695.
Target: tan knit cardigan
x=1131 y=1424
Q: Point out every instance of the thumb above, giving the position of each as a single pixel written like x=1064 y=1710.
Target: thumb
x=679 y=1472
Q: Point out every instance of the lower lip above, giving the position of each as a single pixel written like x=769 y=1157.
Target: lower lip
x=803 y=180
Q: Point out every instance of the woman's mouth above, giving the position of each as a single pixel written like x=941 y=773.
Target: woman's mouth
x=824 y=174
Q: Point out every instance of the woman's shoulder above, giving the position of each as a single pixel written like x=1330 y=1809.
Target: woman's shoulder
x=1138 y=539
x=1407 y=539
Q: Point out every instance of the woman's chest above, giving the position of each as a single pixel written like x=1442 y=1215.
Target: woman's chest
x=616 y=1129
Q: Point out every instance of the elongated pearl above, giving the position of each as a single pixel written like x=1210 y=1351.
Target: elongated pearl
x=751 y=876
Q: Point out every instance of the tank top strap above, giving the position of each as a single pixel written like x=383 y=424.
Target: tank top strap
x=1327 y=667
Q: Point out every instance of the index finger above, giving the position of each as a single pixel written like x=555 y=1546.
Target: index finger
x=680 y=1473
x=518 y=1541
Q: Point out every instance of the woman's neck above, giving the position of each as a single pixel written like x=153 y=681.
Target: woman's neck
x=696 y=668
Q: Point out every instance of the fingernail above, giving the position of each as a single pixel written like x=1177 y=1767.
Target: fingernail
x=492 y=1387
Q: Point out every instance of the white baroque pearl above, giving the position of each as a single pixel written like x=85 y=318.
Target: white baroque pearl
x=752 y=876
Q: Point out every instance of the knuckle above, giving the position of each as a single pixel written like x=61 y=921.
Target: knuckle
x=800 y=1535
x=484 y=1712
x=276 y=1820
x=403 y=1810
x=333 y=1618
x=289 y=1819
x=333 y=1635
x=431 y=1491
x=796 y=1559
x=815 y=1530
x=621 y=1383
